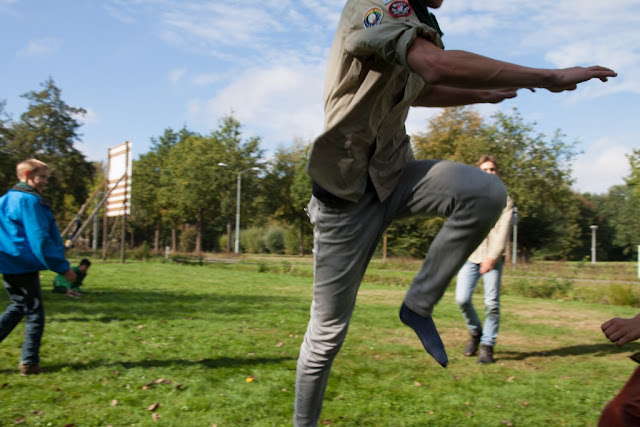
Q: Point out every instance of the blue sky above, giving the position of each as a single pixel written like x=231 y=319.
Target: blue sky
x=140 y=66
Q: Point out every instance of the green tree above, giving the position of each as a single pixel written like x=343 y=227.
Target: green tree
x=151 y=204
x=536 y=171
x=8 y=158
x=239 y=154
x=47 y=131
x=287 y=189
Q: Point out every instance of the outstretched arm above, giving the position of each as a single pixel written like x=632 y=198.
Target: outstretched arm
x=622 y=331
x=461 y=69
x=446 y=96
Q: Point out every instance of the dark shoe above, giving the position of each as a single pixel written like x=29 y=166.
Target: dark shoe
x=29 y=369
x=486 y=355
x=427 y=332
x=472 y=345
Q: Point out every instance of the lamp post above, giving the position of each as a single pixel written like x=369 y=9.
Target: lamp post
x=593 y=243
x=514 y=249
x=237 y=244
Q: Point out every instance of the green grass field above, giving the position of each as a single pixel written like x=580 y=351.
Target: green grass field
x=188 y=345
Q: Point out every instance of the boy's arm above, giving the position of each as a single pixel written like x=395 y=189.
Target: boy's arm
x=43 y=237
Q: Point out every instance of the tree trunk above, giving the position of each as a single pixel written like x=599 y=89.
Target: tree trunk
x=301 y=238
x=228 y=237
x=173 y=238
x=156 y=238
x=199 y=234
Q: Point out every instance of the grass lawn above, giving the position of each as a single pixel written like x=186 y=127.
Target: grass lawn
x=187 y=345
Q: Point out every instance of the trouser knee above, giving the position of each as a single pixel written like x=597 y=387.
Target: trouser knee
x=492 y=310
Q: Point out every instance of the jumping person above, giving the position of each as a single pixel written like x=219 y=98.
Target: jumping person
x=388 y=56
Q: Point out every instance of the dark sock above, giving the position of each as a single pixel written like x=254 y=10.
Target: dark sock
x=427 y=332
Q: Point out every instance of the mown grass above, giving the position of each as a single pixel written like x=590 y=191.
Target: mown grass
x=217 y=344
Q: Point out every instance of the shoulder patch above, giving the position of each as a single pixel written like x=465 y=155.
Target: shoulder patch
x=372 y=17
x=399 y=8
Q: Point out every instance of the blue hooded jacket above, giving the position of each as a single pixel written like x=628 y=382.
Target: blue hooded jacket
x=29 y=237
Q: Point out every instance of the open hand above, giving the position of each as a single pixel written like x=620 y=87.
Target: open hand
x=569 y=78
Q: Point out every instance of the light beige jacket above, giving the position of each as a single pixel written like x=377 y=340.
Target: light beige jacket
x=494 y=244
x=368 y=91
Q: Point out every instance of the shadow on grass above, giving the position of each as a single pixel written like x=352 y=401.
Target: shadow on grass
x=597 y=350
x=221 y=362
x=117 y=305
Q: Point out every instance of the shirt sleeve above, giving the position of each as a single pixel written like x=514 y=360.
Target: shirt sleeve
x=500 y=232
x=43 y=236
x=390 y=38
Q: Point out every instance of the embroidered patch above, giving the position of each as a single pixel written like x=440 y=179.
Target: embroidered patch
x=372 y=17
x=399 y=8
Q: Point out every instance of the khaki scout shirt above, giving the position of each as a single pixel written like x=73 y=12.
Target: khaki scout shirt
x=494 y=244
x=368 y=91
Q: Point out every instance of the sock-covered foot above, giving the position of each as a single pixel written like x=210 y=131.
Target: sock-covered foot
x=427 y=332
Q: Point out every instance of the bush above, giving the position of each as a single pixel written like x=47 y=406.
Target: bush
x=187 y=241
x=274 y=240
x=623 y=295
x=545 y=288
x=291 y=242
x=252 y=240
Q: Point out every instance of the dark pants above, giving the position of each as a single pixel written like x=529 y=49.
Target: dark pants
x=26 y=301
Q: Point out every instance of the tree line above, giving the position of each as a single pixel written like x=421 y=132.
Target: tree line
x=184 y=188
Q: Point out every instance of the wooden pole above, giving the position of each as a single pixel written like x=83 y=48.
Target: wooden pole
x=124 y=204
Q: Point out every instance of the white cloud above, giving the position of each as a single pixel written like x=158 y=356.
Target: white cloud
x=279 y=103
x=205 y=79
x=88 y=118
x=603 y=165
x=176 y=75
x=41 y=47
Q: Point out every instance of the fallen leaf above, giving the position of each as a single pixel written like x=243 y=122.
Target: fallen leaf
x=70 y=425
x=19 y=421
x=284 y=389
x=155 y=416
x=417 y=384
x=38 y=412
x=114 y=402
x=280 y=344
x=469 y=414
x=525 y=403
x=3 y=385
x=467 y=403
x=250 y=379
x=153 y=406
x=179 y=386
x=145 y=387
x=325 y=422
x=251 y=354
x=498 y=406
x=140 y=326
x=507 y=423
x=430 y=412
x=511 y=378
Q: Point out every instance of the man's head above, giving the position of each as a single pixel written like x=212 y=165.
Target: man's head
x=34 y=173
x=488 y=164
x=84 y=265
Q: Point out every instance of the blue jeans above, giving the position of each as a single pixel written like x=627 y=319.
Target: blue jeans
x=465 y=284
x=26 y=301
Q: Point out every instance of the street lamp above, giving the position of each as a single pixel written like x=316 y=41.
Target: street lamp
x=514 y=249
x=593 y=243
x=237 y=245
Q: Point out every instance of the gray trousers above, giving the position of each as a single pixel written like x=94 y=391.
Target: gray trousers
x=346 y=237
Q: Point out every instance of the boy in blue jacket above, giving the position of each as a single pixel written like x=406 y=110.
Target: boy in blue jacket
x=29 y=242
